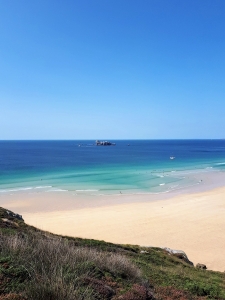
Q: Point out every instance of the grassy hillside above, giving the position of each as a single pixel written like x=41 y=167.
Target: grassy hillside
x=39 y=265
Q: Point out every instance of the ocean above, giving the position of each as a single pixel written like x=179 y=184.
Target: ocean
x=131 y=166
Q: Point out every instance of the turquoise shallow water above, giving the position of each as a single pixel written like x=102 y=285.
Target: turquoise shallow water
x=134 y=166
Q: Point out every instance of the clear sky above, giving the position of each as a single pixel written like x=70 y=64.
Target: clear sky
x=112 y=69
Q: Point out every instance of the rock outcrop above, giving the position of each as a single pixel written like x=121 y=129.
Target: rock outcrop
x=179 y=254
x=201 y=266
x=13 y=215
x=9 y=219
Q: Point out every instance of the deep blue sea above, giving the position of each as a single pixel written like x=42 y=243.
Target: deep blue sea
x=131 y=166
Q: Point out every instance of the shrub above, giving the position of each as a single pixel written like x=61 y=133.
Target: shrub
x=203 y=289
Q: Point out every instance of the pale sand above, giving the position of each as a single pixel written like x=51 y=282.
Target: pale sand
x=194 y=223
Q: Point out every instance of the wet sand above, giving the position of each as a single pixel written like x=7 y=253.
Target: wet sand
x=193 y=222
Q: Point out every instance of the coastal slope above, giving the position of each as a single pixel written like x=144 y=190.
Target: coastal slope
x=36 y=264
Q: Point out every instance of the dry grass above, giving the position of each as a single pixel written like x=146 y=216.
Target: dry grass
x=58 y=270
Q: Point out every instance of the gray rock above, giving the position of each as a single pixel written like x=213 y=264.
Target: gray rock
x=17 y=216
x=179 y=254
x=201 y=266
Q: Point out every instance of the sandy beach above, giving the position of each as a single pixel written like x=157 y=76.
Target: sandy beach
x=192 y=222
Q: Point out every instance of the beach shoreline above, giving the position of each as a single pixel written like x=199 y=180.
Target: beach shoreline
x=39 y=200
x=189 y=220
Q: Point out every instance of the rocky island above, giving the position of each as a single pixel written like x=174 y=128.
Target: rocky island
x=104 y=143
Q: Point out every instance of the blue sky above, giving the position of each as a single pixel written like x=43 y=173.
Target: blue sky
x=116 y=69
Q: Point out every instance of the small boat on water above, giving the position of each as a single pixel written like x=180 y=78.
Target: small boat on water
x=172 y=157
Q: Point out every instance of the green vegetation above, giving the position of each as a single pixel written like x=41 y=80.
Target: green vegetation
x=39 y=265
